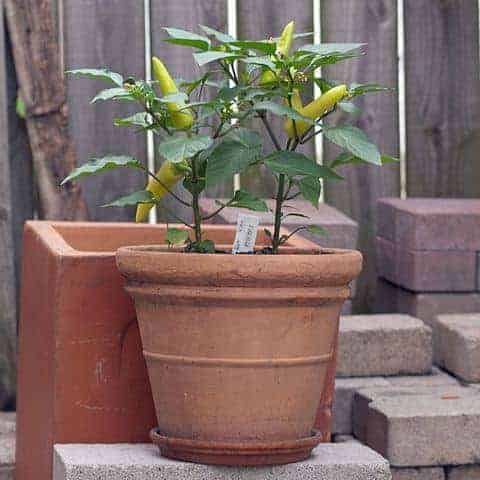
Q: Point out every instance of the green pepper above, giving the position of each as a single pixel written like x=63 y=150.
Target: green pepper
x=315 y=109
x=182 y=120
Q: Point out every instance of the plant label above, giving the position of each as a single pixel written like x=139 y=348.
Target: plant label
x=246 y=234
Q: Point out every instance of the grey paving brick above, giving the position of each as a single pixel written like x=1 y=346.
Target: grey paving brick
x=457 y=345
x=375 y=345
x=345 y=389
x=425 y=270
x=330 y=461
x=416 y=430
x=425 y=473
x=467 y=472
x=430 y=224
x=437 y=377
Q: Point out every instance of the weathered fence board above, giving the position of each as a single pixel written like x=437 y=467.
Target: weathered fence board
x=263 y=19
x=373 y=22
x=104 y=34
x=8 y=319
x=443 y=98
x=187 y=14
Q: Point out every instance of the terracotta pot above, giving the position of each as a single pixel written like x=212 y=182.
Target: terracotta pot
x=238 y=347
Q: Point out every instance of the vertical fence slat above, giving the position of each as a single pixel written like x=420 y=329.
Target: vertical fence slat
x=8 y=319
x=443 y=98
x=263 y=19
x=373 y=22
x=104 y=34
x=187 y=14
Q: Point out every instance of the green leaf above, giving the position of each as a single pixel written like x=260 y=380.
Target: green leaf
x=20 y=108
x=355 y=141
x=98 y=74
x=220 y=36
x=310 y=188
x=112 y=94
x=233 y=155
x=349 y=107
x=98 y=165
x=328 y=49
x=346 y=158
x=357 y=89
x=142 y=196
x=203 y=58
x=281 y=110
x=137 y=120
x=266 y=46
x=205 y=246
x=243 y=199
x=317 y=230
x=296 y=164
x=323 y=84
x=176 y=236
x=263 y=61
x=187 y=39
x=177 y=149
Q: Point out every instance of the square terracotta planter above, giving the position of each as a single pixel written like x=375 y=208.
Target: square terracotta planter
x=81 y=374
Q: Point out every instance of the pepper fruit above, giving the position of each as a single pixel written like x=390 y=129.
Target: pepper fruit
x=283 y=47
x=182 y=120
x=169 y=174
x=316 y=109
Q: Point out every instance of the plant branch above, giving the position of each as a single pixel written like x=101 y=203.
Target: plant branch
x=270 y=131
x=175 y=196
x=173 y=215
x=216 y=212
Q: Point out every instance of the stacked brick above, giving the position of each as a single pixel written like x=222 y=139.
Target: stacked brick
x=389 y=396
x=427 y=256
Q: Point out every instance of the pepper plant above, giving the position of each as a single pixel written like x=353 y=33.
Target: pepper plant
x=205 y=139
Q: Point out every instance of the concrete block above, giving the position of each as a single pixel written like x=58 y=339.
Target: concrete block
x=342 y=231
x=7 y=452
x=418 y=473
x=363 y=398
x=392 y=344
x=344 y=439
x=425 y=306
x=329 y=461
x=7 y=473
x=430 y=224
x=417 y=431
x=345 y=389
x=457 y=345
x=436 y=378
x=346 y=307
x=467 y=472
x=426 y=271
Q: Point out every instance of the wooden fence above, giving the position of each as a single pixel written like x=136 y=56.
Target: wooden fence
x=427 y=49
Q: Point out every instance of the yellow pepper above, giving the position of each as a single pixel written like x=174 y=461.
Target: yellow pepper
x=169 y=174
x=182 y=120
x=283 y=47
x=316 y=109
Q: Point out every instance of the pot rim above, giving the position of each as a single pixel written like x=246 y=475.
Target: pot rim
x=295 y=267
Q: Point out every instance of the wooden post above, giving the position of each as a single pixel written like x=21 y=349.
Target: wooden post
x=8 y=310
x=38 y=65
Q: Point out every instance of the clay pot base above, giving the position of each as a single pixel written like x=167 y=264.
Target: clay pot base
x=236 y=453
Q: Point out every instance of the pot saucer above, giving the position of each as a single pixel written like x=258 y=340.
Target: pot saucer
x=236 y=453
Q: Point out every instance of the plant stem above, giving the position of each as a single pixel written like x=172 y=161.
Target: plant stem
x=278 y=213
x=197 y=218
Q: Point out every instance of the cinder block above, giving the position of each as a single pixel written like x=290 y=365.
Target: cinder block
x=374 y=345
x=457 y=345
x=467 y=472
x=436 y=378
x=417 y=431
x=330 y=461
x=363 y=398
x=418 y=473
x=342 y=231
x=345 y=439
x=345 y=389
x=7 y=473
x=430 y=224
x=425 y=270
x=425 y=306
